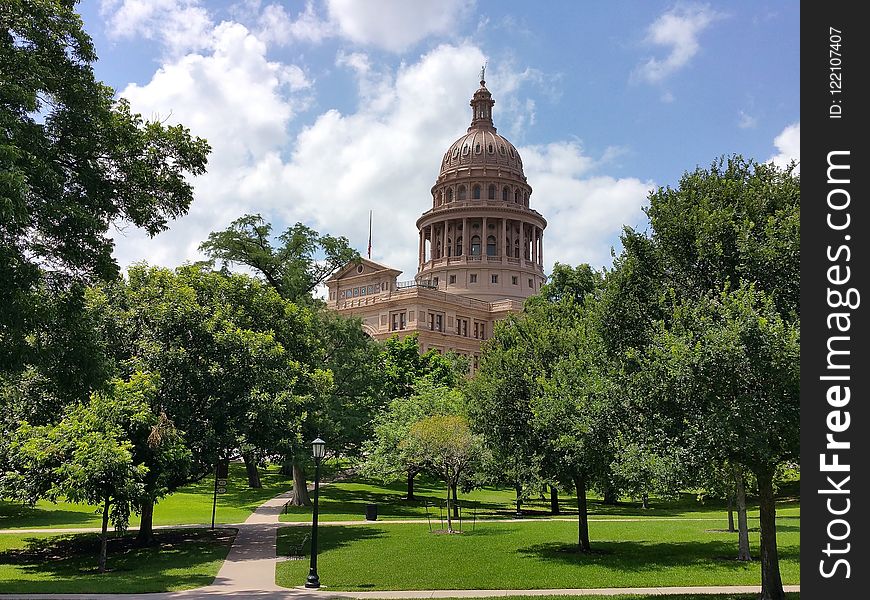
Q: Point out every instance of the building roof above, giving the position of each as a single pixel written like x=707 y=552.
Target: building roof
x=352 y=269
x=482 y=145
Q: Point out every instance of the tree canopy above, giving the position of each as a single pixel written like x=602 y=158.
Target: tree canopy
x=74 y=161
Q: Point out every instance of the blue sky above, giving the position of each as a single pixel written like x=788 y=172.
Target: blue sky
x=320 y=111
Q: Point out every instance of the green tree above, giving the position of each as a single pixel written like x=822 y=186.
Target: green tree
x=728 y=369
x=500 y=408
x=73 y=161
x=388 y=455
x=573 y=416
x=100 y=453
x=447 y=449
x=732 y=225
x=301 y=261
x=232 y=357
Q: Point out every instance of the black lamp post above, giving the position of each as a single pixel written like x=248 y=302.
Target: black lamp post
x=318 y=450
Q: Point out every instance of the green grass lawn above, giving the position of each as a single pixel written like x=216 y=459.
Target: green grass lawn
x=533 y=555
x=189 y=505
x=181 y=559
x=346 y=501
x=790 y=596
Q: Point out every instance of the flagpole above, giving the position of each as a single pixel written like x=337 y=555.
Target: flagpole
x=370 y=234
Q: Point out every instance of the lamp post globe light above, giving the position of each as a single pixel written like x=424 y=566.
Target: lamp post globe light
x=318 y=448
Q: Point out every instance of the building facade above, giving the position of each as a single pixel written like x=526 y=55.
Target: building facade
x=480 y=251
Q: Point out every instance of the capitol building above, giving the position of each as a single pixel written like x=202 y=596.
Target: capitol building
x=480 y=250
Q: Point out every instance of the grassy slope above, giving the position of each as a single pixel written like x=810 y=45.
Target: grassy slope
x=534 y=555
x=182 y=559
x=190 y=505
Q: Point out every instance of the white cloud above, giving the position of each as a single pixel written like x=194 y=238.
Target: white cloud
x=383 y=156
x=585 y=210
x=788 y=145
x=241 y=103
x=278 y=26
x=678 y=30
x=180 y=25
x=394 y=25
x=745 y=120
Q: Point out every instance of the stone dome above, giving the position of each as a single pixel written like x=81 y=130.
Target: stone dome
x=482 y=146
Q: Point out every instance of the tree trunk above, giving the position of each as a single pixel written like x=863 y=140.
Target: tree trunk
x=730 y=504
x=145 y=536
x=771 y=580
x=411 y=475
x=644 y=499
x=300 y=487
x=610 y=495
x=252 y=471
x=287 y=468
x=449 y=516
x=455 y=500
x=554 y=500
x=519 y=489
x=582 y=516
x=742 y=524
x=104 y=536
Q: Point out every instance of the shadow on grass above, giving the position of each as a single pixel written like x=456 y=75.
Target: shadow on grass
x=330 y=538
x=390 y=498
x=644 y=557
x=68 y=563
x=19 y=515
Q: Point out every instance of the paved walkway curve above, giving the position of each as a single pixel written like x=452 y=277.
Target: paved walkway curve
x=249 y=572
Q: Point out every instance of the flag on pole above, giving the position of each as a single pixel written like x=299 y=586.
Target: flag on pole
x=370 y=235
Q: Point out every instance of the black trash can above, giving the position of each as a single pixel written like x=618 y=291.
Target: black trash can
x=371 y=512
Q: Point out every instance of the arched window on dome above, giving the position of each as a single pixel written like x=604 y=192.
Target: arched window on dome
x=462 y=193
x=490 y=246
x=450 y=195
x=475 y=192
x=511 y=152
x=458 y=251
x=505 y=193
x=517 y=248
x=526 y=199
x=449 y=247
x=517 y=196
x=477 y=149
x=475 y=245
x=439 y=199
x=490 y=148
x=465 y=150
x=491 y=194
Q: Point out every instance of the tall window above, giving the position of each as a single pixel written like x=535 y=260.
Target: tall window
x=450 y=195
x=505 y=193
x=397 y=321
x=490 y=246
x=491 y=194
x=458 y=251
x=462 y=193
x=475 y=192
x=475 y=245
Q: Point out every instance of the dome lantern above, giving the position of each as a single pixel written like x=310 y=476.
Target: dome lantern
x=481 y=106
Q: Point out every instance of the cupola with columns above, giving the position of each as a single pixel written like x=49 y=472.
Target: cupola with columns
x=481 y=239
